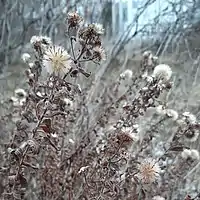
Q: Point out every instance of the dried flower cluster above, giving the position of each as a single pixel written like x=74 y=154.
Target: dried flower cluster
x=60 y=149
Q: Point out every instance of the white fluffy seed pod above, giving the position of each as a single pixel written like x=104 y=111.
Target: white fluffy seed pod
x=22 y=101
x=194 y=154
x=162 y=72
x=190 y=117
x=31 y=65
x=127 y=74
x=146 y=54
x=192 y=137
x=172 y=114
x=99 y=28
x=158 y=198
x=186 y=153
x=40 y=39
x=160 y=110
x=26 y=57
x=68 y=102
x=190 y=154
x=20 y=92
x=15 y=101
x=149 y=171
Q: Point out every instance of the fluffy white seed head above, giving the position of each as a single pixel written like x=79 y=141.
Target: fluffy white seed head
x=34 y=39
x=194 y=154
x=146 y=54
x=31 y=65
x=68 y=102
x=26 y=57
x=40 y=39
x=20 y=92
x=172 y=114
x=190 y=117
x=131 y=133
x=190 y=154
x=158 y=198
x=127 y=74
x=186 y=153
x=194 y=137
x=148 y=171
x=57 y=61
x=99 y=28
x=22 y=101
x=15 y=101
x=162 y=72
x=161 y=110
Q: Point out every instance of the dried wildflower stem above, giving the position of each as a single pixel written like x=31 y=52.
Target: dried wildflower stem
x=117 y=150
x=39 y=122
x=82 y=52
x=72 y=47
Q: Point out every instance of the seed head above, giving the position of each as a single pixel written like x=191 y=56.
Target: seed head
x=127 y=74
x=57 y=61
x=99 y=53
x=189 y=117
x=26 y=57
x=192 y=136
x=148 y=171
x=68 y=102
x=74 y=19
x=130 y=134
x=98 y=28
x=190 y=154
x=161 y=110
x=158 y=198
x=40 y=40
x=172 y=114
x=162 y=72
x=20 y=92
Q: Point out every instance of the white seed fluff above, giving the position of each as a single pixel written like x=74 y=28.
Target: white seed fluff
x=186 y=153
x=68 y=102
x=172 y=114
x=26 y=57
x=190 y=153
x=158 y=198
x=162 y=72
x=57 y=60
x=160 y=110
x=98 y=28
x=194 y=154
x=20 y=92
x=127 y=74
x=133 y=135
x=190 y=117
x=148 y=171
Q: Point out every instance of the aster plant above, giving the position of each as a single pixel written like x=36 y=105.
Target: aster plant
x=56 y=153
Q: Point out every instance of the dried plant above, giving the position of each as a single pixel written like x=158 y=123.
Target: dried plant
x=58 y=152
